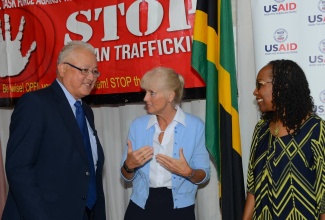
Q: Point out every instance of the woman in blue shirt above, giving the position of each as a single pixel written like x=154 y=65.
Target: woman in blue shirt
x=165 y=157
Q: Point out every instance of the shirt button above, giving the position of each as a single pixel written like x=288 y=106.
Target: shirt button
x=87 y=173
x=84 y=197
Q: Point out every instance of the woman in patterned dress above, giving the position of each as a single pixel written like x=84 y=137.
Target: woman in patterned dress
x=286 y=171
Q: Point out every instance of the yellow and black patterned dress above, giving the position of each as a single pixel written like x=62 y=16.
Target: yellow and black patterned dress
x=287 y=174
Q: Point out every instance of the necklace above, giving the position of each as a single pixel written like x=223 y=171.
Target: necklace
x=276 y=130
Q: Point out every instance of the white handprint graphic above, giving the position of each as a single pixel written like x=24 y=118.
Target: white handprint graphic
x=12 y=62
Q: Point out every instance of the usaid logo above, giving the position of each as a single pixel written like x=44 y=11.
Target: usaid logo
x=280 y=35
x=318 y=59
x=321 y=5
x=322 y=96
x=320 y=109
x=321 y=46
x=280 y=8
x=318 y=19
x=281 y=46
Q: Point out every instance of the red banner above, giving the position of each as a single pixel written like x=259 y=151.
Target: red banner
x=130 y=37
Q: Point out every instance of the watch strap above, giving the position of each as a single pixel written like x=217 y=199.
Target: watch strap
x=127 y=169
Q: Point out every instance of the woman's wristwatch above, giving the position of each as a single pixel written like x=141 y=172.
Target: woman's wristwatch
x=128 y=170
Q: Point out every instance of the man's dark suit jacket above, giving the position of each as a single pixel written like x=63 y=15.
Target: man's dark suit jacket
x=46 y=164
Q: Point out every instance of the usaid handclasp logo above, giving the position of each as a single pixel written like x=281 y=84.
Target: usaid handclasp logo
x=322 y=96
x=280 y=47
x=321 y=46
x=321 y=5
x=280 y=35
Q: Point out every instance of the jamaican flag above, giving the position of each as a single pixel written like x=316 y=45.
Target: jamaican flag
x=213 y=57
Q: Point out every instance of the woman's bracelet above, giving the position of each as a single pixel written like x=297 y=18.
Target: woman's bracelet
x=190 y=176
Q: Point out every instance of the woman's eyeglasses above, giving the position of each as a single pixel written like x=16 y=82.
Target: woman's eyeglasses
x=261 y=83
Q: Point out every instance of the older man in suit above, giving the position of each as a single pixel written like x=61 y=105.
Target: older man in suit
x=54 y=168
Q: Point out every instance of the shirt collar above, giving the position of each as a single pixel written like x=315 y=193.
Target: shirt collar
x=70 y=98
x=179 y=117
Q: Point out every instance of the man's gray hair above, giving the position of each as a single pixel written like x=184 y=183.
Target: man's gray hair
x=71 y=46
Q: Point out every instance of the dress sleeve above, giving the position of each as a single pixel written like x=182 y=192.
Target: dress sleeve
x=251 y=163
x=318 y=147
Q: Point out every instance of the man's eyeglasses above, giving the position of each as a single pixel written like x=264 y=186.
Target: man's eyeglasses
x=85 y=72
x=259 y=84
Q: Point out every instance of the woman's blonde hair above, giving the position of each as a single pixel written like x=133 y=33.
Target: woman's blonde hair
x=170 y=80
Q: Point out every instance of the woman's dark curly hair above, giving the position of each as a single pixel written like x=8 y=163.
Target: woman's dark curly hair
x=291 y=95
